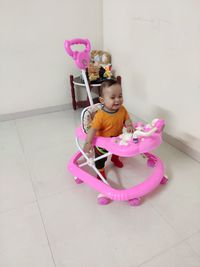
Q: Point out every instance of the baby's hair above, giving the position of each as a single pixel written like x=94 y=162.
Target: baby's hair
x=107 y=83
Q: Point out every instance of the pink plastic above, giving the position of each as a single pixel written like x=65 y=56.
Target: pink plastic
x=143 y=145
x=151 y=162
x=78 y=181
x=164 y=180
x=81 y=58
x=124 y=194
x=132 y=195
x=138 y=145
x=135 y=201
x=102 y=200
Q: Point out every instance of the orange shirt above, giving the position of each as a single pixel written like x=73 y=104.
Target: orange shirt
x=109 y=124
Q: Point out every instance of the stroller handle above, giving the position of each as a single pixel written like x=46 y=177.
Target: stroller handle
x=77 y=41
x=81 y=58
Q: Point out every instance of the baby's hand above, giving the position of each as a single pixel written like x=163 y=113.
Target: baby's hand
x=87 y=148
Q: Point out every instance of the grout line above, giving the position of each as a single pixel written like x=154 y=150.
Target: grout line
x=52 y=195
x=182 y=240
x=37 y=202
x=34 y=112
x=161 y=253
x=189 y=236
x=171 y=140
x=168 y=222
x=186 y=241
x=18 y=207
x=182 y=146
x=192 y=249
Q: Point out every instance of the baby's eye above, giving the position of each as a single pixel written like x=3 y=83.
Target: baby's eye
x=112 y=97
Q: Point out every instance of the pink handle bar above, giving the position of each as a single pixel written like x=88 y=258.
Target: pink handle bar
x=82 y=58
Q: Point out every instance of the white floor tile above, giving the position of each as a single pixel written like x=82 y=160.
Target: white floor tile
x=179 y=201
x=47 y=130
x=180 y=255
x=81 y=232
x=15 y=183
x=49 y=170
x=23 y=240
x=194 y=242
x=9 y=140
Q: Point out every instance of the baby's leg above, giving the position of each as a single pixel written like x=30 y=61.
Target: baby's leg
x=116 y=161
x=100 y=164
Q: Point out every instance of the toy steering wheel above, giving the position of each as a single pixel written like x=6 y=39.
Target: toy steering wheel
x=82 y=58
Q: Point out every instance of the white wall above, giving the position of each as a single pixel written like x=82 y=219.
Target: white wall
x=34 y=67
x=155 y=47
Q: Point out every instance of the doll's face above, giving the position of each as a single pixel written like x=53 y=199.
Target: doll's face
x=105 y=59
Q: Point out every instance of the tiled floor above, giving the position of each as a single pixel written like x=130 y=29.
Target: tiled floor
x=47 y=220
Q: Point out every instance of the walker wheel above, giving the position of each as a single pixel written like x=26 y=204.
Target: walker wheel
x=77 y=180
x=151 y=162
x=164 y=180
x=103 y=200
x=135 y=201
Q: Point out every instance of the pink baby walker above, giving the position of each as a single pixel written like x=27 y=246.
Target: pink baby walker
x=144 y=139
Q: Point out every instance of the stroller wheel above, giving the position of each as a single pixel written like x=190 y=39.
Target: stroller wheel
x=151 y=162
x=164 y=180
x=77 y=180
x=103 y=200
x=135 y=201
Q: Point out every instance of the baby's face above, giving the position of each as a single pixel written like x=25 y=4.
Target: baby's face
x=112 y=97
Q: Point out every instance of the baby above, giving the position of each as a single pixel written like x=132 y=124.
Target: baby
x=108 y=122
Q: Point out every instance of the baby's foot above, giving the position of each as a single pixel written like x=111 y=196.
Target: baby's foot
x=116 y=161
x=103 y=174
